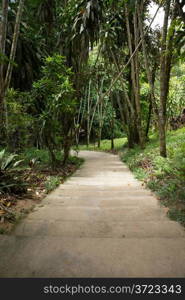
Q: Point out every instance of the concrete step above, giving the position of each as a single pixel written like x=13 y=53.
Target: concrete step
x=105 y=182
x=52 y=257
x=82 y=229
x=121 y=170
x=100 y=195
x=101 y=201
x=101 y=223
x=97 y=214
x=105 y=190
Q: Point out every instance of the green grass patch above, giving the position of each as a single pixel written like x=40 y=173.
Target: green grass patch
x=51 y=183
x=164 y=176
x=105 y=145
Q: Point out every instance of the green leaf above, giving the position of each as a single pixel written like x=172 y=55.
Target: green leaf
x=2 y=153
x=17 y=163
x=8 y=161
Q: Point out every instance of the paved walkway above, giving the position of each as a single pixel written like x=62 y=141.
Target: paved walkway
x=100 y=223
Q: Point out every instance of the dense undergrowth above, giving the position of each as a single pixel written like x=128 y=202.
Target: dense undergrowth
x=24 y=184
x=164 y=176
x=42 y=166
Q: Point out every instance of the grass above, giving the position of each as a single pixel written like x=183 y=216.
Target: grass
x=164 y=176
x=51 y=183
x=105 y=145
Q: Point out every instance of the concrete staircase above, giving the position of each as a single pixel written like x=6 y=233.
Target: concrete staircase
x=100 y=223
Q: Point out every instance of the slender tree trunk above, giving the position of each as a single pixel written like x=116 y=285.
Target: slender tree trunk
x=67 y=147
x=128 y=100
x=3 y=33
x=112 y=125
x=67 y=135
x=99 y=138
x=137 y=87
x=100 y=113
x=123 y=119
x=77 y=124
x=14 y=44
x=127 y=110
x=146 y=61
x=6 y=83
x=112 y=140
x=135 y=72
x=148 y=120
x=164 y=81
x=127 y=121
x=48 y=143
x=99 y=94
x=88 y=113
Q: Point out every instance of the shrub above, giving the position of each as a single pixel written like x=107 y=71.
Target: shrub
x=51 y=183
x=9 y=180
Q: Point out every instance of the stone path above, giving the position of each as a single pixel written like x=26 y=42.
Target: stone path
x=100 y=223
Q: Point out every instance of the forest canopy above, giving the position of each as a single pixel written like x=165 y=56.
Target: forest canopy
x=75 y=72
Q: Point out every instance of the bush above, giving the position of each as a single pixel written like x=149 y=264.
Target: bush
x=165 y=176
x=9 y=179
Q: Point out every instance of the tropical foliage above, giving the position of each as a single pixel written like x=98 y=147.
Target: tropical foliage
x=76 y=71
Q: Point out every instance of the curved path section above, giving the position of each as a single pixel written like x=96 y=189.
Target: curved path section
x=100 y=223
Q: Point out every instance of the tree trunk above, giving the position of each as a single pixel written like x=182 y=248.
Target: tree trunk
x=128 y=100
x=137 y=87
x=112 y=122
x=3 y=33
x=135 y=72
x=14 y=44
x=66 y=147
x=127 y=121
x=165 y=69
x=112 y=143
x=163 y=90
x=127 y=110
x=67 y=134
x=100 y=115
x=4 y=84
x=98 y=102
x=48 y=143
x=146 y=61
x=88 y=113
x=148 y=120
